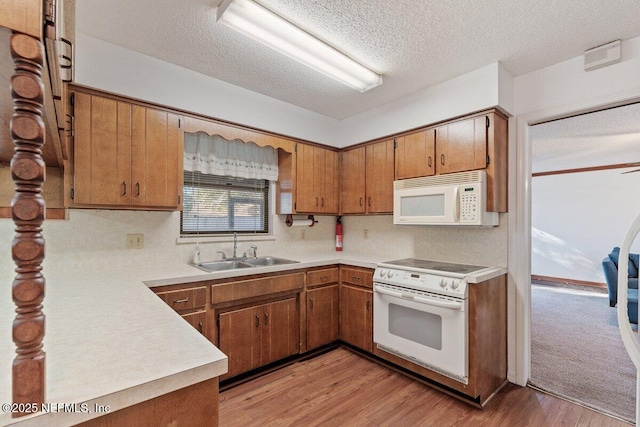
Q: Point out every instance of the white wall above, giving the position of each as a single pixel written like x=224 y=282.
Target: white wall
x=577 y=219
x=566 y=83
x=114 y=69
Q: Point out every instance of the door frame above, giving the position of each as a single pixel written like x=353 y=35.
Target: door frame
x=519 y=240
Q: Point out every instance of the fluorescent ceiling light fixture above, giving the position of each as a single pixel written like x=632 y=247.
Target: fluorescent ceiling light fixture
x=262 y=25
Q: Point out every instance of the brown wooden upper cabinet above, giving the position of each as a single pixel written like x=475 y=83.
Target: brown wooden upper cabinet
x=415 y=154
x=316 y=180
x=125 y=155
x=367 y=179
x=462 y=146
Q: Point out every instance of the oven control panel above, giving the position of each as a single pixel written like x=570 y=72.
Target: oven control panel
x=456 y=287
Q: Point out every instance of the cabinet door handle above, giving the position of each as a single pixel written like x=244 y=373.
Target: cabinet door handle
x=180 y=301
x=361 y=201
x=429 y=161
x=442 y=159
x=200 y=326
x=316 y=202
x=369 y=201
x=266 y=319
x=368 y=304
x=257 y=320
x=311 y=304
x=137 y=188
x=322 y=201
x=124 y=188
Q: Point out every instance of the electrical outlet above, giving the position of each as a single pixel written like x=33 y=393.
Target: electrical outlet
x=303 y=234
x=365 y=233
x=135 y=241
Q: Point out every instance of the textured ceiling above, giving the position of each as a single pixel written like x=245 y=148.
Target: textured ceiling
x=413 y=43
x=606 y=137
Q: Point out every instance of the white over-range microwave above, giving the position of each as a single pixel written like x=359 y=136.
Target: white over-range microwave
x=451 y=199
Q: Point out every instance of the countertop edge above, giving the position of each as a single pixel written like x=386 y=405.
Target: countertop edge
x=125 y=398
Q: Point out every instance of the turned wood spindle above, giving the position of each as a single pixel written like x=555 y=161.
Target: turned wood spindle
x=28 y=213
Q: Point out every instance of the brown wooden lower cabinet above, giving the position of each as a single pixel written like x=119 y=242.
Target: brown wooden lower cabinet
x=322 y=315
x=258 y=335
x=193 y=406
x=356 y=316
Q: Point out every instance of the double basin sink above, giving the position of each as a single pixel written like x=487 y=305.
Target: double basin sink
x=264 y=261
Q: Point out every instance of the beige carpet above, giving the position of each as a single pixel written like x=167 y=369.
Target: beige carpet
x=577 y=352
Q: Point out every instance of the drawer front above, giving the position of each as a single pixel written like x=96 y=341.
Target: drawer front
x=323 y=277
x=357 y=276
x=185 y=299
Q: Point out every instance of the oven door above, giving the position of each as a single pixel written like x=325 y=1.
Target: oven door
x=426 y=329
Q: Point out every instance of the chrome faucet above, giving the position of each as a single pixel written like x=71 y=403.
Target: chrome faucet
x=224 y=256
x=254 y=249
x=235 y=244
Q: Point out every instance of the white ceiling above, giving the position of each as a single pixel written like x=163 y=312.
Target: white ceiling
x=606 y=137
x=413 y=43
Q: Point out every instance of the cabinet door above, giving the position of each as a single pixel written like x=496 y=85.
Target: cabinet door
x=240 y=335
x=462 y=146
x=280 y=330
x=197 y=320
x=306 y=197
x=102 y=151
x=415 y=155
x=356 y=316
x=329 y=195
x=379 y=177
x=156 y=158
x=352 y=177
x=322 y=315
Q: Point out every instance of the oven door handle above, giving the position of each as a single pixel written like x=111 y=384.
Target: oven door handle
x=429 y=301
x=444 y=304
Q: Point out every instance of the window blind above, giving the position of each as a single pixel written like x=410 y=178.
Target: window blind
x=222 y=204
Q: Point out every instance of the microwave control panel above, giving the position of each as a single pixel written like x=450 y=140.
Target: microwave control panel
x=469 y=203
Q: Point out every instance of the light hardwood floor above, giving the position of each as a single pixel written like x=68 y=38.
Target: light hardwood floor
x=341 y=388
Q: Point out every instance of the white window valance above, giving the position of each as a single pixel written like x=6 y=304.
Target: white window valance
x=214 y=155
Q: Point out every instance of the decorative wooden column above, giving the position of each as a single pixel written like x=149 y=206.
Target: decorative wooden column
x=28 y=213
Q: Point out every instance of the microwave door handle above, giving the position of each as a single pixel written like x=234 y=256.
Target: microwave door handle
x=456 y=196
x=444 y=304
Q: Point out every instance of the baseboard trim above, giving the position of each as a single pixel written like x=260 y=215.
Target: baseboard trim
x=564 y=281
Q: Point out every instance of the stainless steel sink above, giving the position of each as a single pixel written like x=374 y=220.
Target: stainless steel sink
x=268 y=260
x=222 y=265
x=244 y=263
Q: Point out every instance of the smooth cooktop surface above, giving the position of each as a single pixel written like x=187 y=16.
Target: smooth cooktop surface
x=436 y=265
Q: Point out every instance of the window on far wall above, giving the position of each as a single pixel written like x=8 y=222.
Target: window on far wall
x=222 y=204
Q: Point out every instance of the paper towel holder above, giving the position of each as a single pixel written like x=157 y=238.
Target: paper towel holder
x=290 y=220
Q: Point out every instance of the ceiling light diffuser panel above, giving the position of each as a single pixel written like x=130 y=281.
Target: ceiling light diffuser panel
x=264 y=26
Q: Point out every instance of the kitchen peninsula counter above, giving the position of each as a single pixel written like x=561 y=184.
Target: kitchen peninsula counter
x=110 y=341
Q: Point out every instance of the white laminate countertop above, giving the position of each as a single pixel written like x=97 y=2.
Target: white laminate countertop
x=110 y=341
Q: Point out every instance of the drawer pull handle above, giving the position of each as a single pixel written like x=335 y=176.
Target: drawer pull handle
x=356 y=278
x=324 y=277
x=180 y=301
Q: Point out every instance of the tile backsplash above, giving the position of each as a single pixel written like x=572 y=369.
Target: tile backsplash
x=96 y=239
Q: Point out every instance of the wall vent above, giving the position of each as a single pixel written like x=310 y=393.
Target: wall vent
x=602 y=56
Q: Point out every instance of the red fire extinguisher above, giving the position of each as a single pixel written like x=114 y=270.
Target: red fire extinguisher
x=339 y=234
